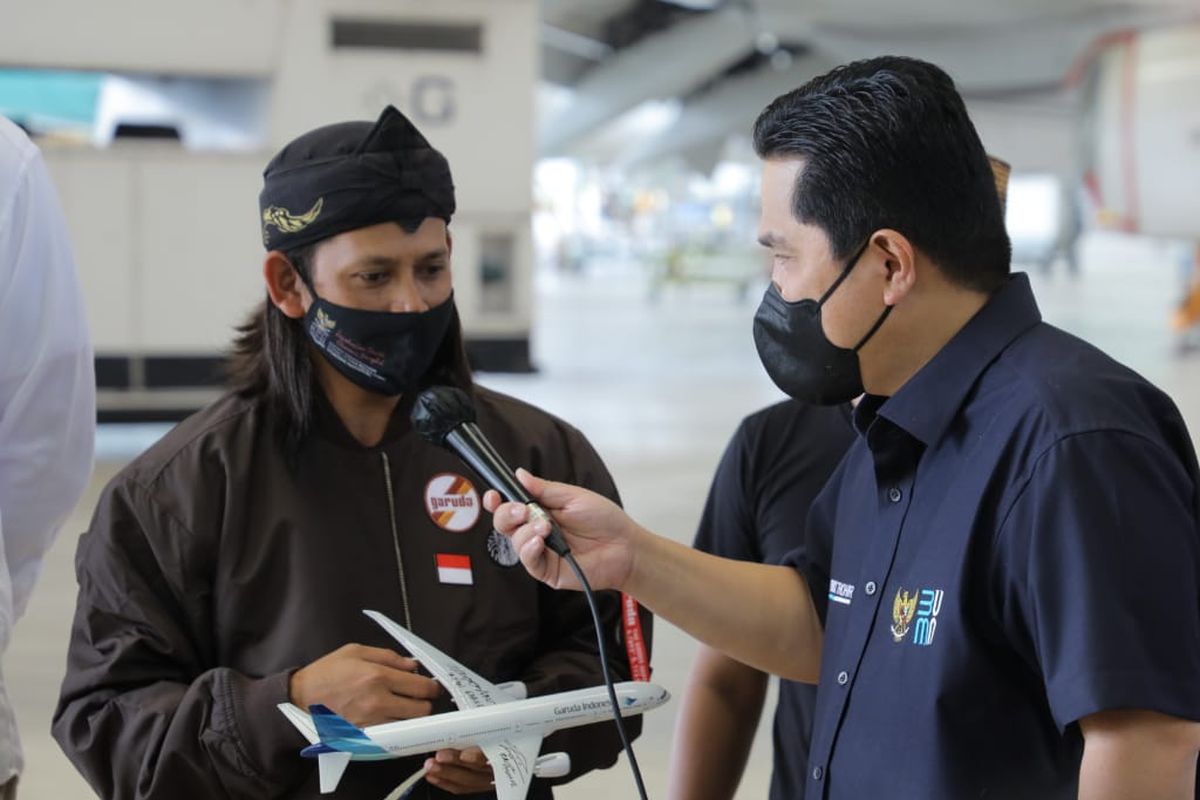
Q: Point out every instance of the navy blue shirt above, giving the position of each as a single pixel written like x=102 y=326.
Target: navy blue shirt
x=1011 y=545
x=775 y=465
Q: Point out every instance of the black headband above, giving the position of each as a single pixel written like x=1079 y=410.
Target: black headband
x=352 y=175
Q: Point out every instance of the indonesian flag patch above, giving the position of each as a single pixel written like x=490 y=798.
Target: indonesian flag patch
x=452 y=502
x=454 y=568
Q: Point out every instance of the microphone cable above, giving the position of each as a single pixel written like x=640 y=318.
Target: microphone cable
x=445 y=416
x=608 y=681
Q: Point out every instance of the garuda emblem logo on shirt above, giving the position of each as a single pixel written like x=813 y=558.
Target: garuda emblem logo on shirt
x=287 y=222
x=904 y=607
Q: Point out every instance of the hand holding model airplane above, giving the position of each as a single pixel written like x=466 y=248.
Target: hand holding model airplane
x=506 y=726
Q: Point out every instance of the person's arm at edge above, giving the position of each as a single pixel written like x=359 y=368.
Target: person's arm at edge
x=760 y=614
x=1141 y=754
x=47 y=389
x=718 y=715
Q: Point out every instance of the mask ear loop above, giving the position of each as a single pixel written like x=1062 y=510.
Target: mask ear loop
x=845 y=272
x=305 y=280
x=886 y=310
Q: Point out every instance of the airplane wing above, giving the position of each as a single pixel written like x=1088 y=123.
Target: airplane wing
x=512 y=763
x=468 y=689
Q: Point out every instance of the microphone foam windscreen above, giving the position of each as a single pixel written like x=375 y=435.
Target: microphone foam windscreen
x=439 y=410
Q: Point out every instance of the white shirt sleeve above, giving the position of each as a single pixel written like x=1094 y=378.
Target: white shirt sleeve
x=47 y=384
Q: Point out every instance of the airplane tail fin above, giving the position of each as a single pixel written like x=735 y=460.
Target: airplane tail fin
x=332 y=728
x=340 y=741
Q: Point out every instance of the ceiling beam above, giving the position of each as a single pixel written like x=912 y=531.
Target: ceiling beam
x=664 y=65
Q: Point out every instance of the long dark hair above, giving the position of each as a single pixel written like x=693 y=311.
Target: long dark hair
x=271 y=359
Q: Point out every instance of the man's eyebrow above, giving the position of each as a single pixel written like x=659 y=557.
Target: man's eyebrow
x=770 y=239
x=376 y=261
x=388 y=262
x=437 y=252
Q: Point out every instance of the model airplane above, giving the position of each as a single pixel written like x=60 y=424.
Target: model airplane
x=497 y=719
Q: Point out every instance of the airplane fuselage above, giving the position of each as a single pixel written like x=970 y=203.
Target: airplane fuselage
x=533 y=716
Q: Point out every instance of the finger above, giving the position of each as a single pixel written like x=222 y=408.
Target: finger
x=550 y=495
x=411 y=685
x=461 y=773
x=457 y=779
x=532 y=553
x=388 y=658
x=509 y=516
x=394 y=707
x=491 y=500
x=473 y=756
x=536 y=486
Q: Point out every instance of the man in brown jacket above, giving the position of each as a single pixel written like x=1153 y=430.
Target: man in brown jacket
x=226 y=569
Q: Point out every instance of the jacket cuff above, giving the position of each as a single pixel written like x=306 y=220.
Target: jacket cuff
x=267 y=739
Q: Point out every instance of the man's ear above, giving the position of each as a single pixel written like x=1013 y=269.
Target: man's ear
x=286 y=290
x=899 y=261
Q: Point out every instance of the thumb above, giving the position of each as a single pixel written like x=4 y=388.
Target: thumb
x=550 y=495
x=533 y=484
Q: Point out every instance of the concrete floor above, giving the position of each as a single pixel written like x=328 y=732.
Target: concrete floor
x=658 y=388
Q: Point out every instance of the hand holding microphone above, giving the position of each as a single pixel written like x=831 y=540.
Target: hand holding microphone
x=600 y=532
x=597 y=529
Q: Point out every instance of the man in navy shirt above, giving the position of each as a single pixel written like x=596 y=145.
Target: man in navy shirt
x=773 y=468
x=1001 y=592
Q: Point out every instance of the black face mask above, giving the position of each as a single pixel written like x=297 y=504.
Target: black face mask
x=382 y=351
x=796 y=354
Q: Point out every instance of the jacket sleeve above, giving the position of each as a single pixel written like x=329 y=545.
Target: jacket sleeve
x=143 y=712
x=569 y=655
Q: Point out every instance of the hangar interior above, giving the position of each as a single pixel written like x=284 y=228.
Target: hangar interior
x=605 y=260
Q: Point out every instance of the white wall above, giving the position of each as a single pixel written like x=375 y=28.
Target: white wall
x=167 y=237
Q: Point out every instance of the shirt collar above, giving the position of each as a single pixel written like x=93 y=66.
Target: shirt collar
x=928 y=402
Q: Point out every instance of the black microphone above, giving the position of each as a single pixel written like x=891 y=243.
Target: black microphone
x=444 y=416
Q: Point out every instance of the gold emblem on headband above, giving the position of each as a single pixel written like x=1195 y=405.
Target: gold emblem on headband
x=287 y=222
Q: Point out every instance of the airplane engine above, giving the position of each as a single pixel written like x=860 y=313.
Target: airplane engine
x=514 y=689
x=552 y=765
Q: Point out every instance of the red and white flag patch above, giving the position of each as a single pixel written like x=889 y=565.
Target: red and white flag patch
x=454 y=568
x=452 y=502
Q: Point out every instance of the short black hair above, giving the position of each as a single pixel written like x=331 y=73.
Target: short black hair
x=887 y=143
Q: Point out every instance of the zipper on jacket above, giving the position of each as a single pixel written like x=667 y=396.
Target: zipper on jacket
x=391 y=498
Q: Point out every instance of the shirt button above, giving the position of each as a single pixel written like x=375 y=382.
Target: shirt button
x=894 y=494
x=818 y=773
x=870 y=588
x=843 y=678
